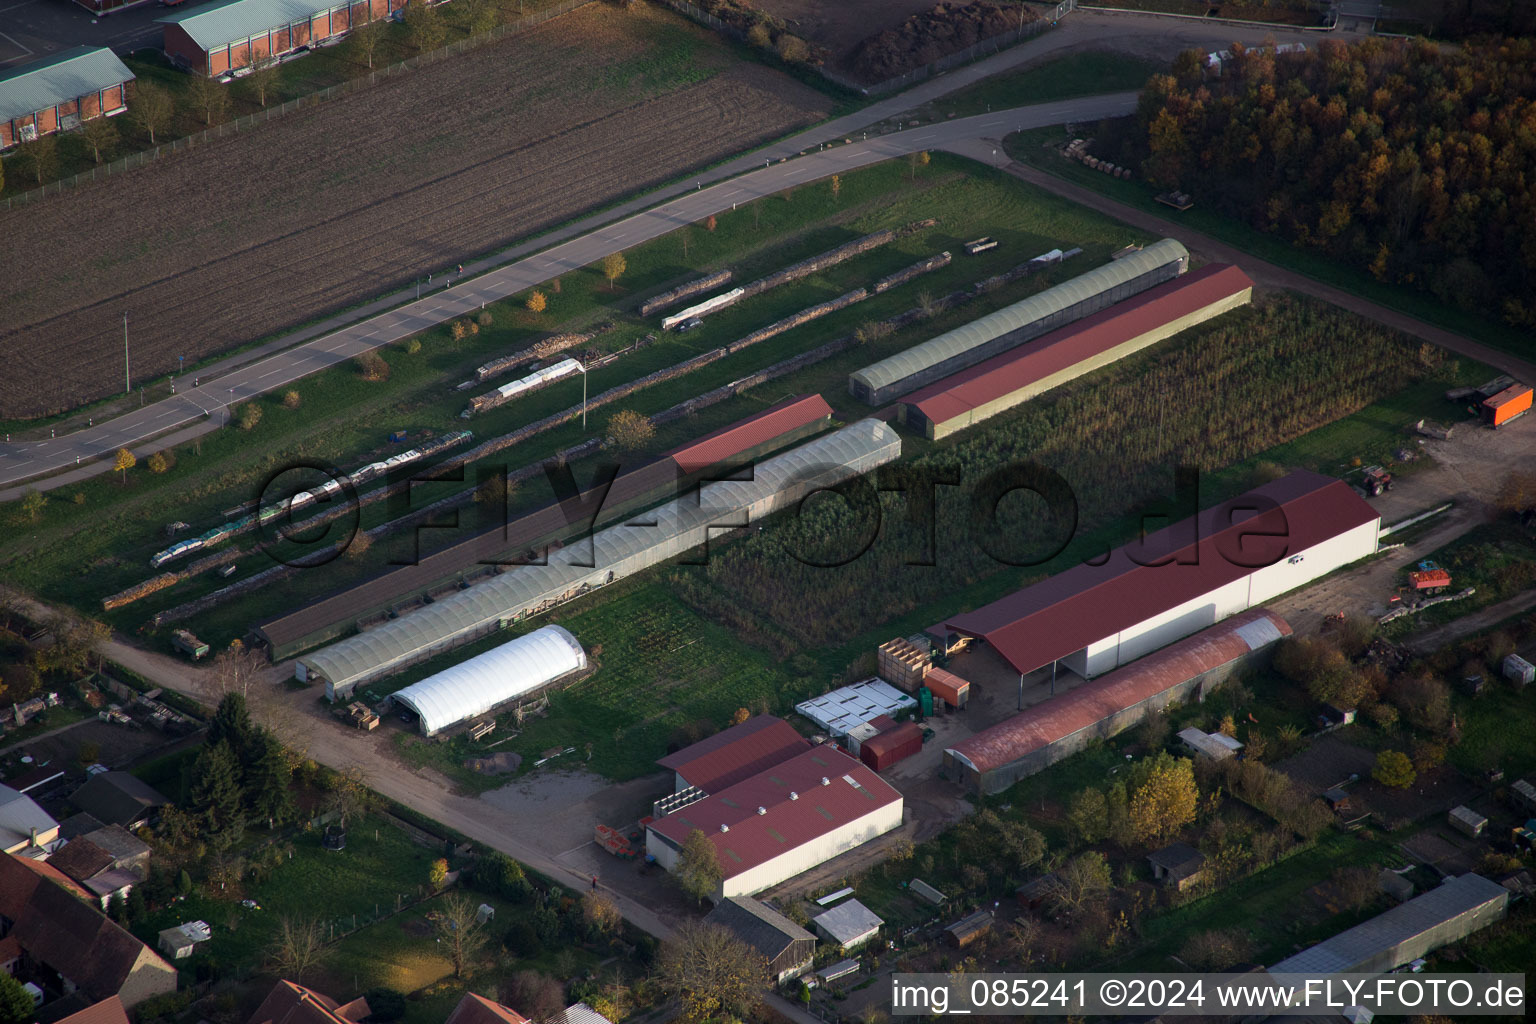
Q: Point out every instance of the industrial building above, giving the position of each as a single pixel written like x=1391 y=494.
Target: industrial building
x=488 y=681
x=1013 y=377
x=677 y=527
x=734 y=754
x=995 y=758
x=1455 y=909
x=1147 y=594
x=1013 y=325
x=780 y=822
x=58 y=92
x=526 y=536
x=216 y=38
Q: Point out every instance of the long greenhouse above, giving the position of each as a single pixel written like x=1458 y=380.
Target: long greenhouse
x=980 y=339
x=615 y=552
x=487 y=681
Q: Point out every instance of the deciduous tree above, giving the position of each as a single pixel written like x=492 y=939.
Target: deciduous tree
x=298 y=948
x=40 y=156
x=16 y=1005
x=207 y=95
x=1089 y=815
x=537 y=303
x=460 y=932
x=151 y=109
x=1166 y=801
x=1079 y=882
x=630 y=431
x=262 y=76
x=123 y=462
x=698 y=866
x=100 y=133
x=424 y=24
x=32 y=504
x=365 y=39
x=711 y=972
x=1394 y=769
x=614 y=267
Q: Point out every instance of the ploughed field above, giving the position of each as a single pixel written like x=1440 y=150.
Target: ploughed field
x=329 y=206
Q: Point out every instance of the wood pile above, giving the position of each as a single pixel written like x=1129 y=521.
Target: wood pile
x=915 y=270
x=540 y=349
x=903 y=664
x=657 y=303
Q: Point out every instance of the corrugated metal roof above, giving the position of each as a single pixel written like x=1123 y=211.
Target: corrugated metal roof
x=730 y=441
x=797 y=808
x=235 y=21
x=759 y=925
x=1349 y=949
x=848 y=706
x=59 y=79
x=737 y=753
x=1086 y=603
x=1092 y=702
x=628 y=546
x=894 y=738
x=1067 y=346
x=898 y=367
x=848 y=921
x=475 y=686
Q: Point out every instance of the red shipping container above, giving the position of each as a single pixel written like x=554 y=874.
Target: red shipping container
x=948 y=687
x=884 y=750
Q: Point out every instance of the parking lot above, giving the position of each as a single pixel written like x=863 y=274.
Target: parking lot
x=33 y=29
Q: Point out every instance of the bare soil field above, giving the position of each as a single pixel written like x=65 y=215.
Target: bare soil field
x=323 y=208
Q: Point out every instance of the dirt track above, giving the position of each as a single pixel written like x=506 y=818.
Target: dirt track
x=267 y=229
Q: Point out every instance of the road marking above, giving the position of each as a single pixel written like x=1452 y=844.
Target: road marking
x=25 y=51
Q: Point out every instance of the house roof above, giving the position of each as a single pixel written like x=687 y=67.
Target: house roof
x=1089 y=602
x=19 y=815
x=117 y=798
x=10 y=949
x=759 y=926
x=112 y=880
x=53 y=874
x=66 y=933
x=77 y=825
x=581 y=1013
x=1098 y=699
x=1067 y=346
x=290 y=1003
x=35 y=777
x=1468 y=816
x=731 y=441
x=739 y=752
x=59 y=78
x=473 y=1009
x=106 y=1011
x=81 y=859
x=801 y=799
x=119 y=842
x=235 y=21
x=1179 y=859
x=1349 y=949
x=847 y=921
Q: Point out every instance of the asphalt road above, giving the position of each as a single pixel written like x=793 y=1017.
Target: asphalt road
x=33 y=29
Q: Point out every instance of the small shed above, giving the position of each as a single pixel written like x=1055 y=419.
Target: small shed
x=849 y=925
x=1399 y=887
x=1336 y=799
x=786 y=949
x=841 y=969
x=970 y=928
x=335 y=838
x=893 y=745
x=1033 y=894
x=181 y=941
x=1178 y=865
x=927 y=892
x=1337 y=716
x=1466 y=820
x=1524 y=794
x=1519 y=671
x=1211 y=745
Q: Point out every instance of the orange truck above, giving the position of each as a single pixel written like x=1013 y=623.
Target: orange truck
x=1508 y=404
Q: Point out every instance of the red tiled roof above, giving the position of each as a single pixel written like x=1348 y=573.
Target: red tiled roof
x=734 y=754
x=109 y=1011
x=797 y=808
x=1098 y=699
x=10 y=949
x=473 y=1009
x=81 y=859
x=727 y=442
x=290 y=1003
x=1065 y=613
x=54 y=874
x=1067 y=346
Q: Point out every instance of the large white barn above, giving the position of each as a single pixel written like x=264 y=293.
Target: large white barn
x=1229 y=558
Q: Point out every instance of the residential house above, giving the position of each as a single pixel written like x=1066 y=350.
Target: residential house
x=108 y=862
x=473 y=1009
x=290 y=1003
x=108 y=1011
x=24 y=825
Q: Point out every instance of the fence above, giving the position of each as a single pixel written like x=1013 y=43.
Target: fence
x=985 y=48
x=207 y=135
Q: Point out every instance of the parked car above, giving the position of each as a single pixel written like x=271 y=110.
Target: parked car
x=690 y=324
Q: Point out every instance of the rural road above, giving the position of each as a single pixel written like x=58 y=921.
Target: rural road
x=86 y=453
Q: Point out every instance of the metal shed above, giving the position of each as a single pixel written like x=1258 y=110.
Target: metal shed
x=970 y=343
x=850 y=925
x=613 y=553
x=1465 y=819
x=491 y=679
x=847 y=707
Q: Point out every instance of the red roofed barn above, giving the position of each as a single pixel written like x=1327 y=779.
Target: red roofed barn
x=734 y=754
x=994 y=759
x=775 y=427
x=783 y=820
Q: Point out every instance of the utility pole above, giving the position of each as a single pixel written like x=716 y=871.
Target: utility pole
x=127 y=386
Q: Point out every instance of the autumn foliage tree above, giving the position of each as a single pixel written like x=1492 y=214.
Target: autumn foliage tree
x=1394 y=769
x=537 y=303
x=614 y=267
x=630 y=430
x=710 y=971
x=123 y=461
x=1166 y=801
x=1404 y=158
x=698 y=866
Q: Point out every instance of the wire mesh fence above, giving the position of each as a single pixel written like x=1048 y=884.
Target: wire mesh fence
x=239 y=124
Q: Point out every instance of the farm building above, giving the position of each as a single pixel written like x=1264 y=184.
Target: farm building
x=782 y=821
x=56 y=93
x=853 y=739
x=1212 y=745
x=992 y=760
x=849 y=924
x=734 y=754
x=1519 y=671
x=1453 y=910
x=525 y=538
x=1236 y=555
x=841 y=710
x=891 y=746
x=1013 y=325
x=488 y=681
x=678 y=526
x=786 y=948
x=1013 y=377
x=1179 y=866
x=219 y=37
x=746 y=440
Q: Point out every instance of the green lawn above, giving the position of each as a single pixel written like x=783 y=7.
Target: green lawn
x=1061 y=78
x=1034 y=147
x=379 y=864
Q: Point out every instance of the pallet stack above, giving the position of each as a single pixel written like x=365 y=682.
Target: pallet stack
x=903 y=664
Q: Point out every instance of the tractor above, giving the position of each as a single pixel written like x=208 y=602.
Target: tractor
x=1376 y=480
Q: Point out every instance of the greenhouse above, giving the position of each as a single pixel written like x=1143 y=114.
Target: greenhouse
x=489 y=680
x=615 y=552
x=970 y=343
